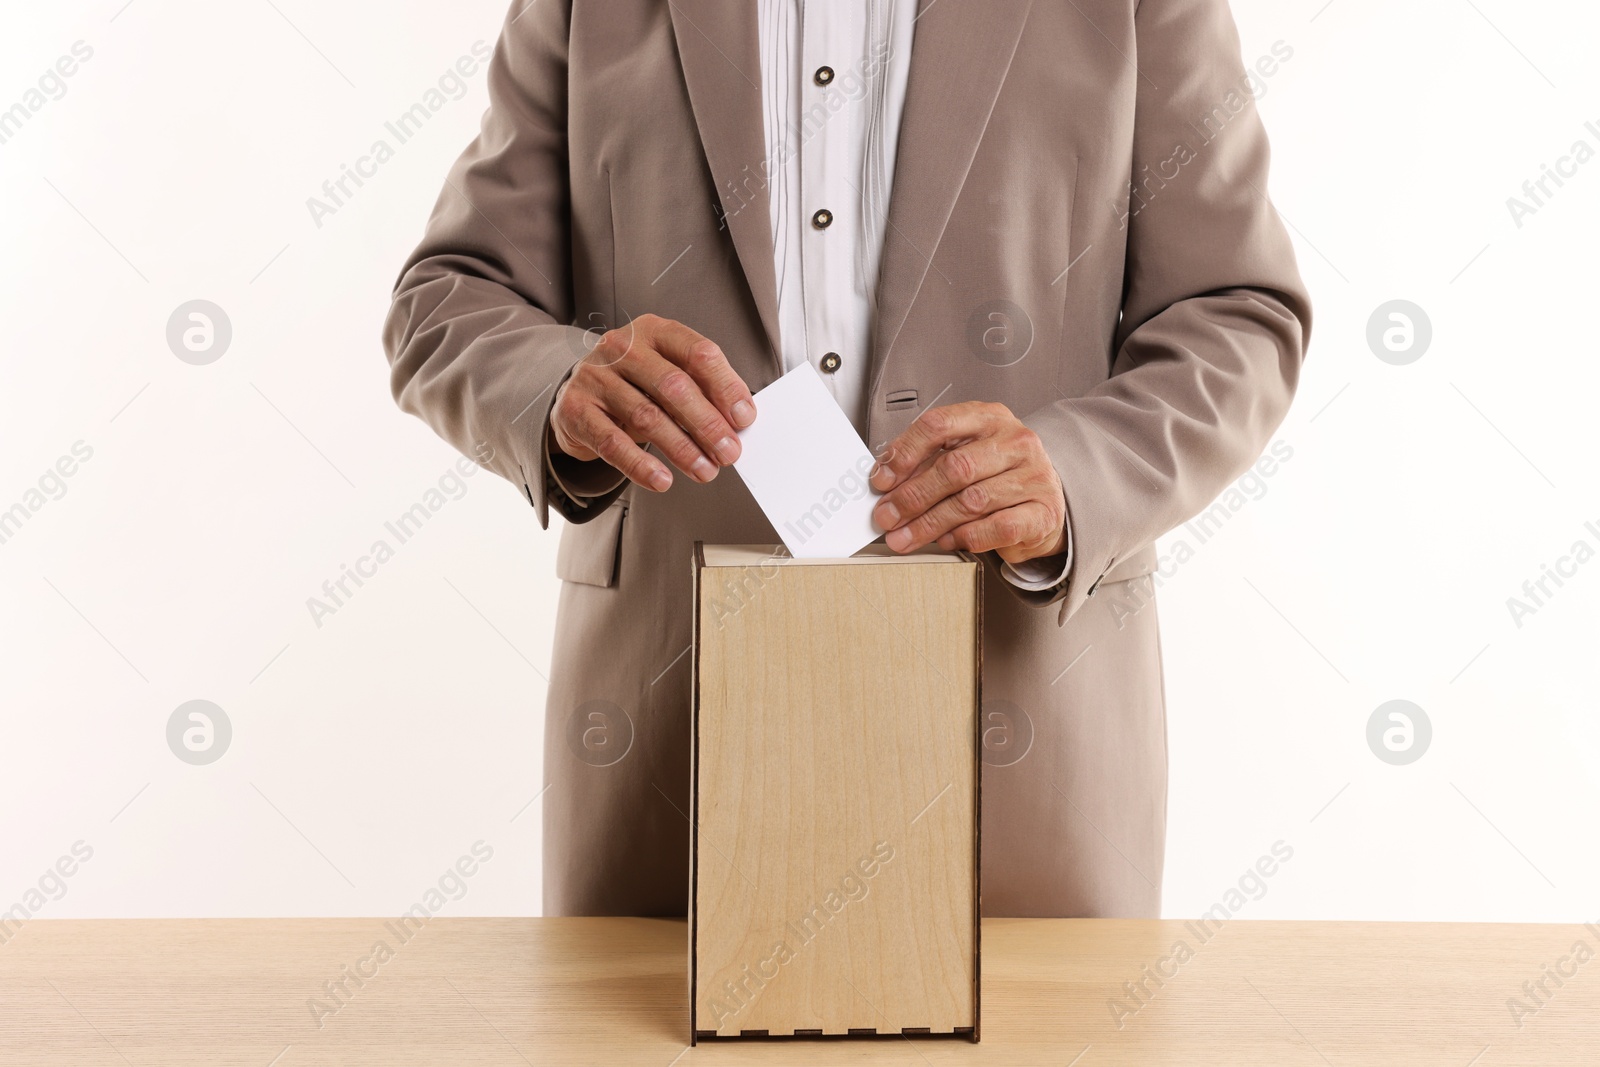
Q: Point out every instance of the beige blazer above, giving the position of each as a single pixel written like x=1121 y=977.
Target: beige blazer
x=1088 y=177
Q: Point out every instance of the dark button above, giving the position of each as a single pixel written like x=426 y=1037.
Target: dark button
x=1097 y=582
x=822 y=219
x=831 y=362
x=823 y=76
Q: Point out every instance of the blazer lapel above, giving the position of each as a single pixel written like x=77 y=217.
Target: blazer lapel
x=961 y=51
x=722 y=66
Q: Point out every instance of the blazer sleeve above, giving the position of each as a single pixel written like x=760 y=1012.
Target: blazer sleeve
x=479 y=333
x=1215 y=318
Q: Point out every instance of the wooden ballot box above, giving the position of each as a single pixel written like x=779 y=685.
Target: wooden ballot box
x=834 y=880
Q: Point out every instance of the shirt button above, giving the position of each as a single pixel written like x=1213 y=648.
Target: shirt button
x=823 y=76
x=831 y=362
x=822 y=219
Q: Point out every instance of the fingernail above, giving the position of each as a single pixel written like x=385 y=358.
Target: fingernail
x=727 y=450
x=703 y=469
x=899 y=540
x=660 y=481
x=887 y=516
x=744 y=413
x=880 y=471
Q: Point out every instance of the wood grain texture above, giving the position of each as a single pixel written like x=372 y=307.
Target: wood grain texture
x=835 y=784
x=610 y=993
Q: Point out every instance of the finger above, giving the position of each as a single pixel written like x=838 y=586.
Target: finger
x=1017 y=533
x=705 y=362
x=935 y=429
x=563 y=411
x=970 y=504
x=596 y=430
x=644 y=420
x=944 y=475
x=679 y=395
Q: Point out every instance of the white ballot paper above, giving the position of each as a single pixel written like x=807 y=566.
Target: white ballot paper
x=807 y=468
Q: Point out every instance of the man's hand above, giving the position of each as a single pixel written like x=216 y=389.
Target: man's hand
x=971 y=476
x=653 y=381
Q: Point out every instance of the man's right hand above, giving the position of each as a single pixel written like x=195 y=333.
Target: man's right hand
x=653 y=382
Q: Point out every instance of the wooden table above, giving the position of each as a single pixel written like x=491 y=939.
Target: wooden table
x=612 y=991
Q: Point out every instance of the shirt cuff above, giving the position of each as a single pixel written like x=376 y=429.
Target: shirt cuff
x=1046 y=572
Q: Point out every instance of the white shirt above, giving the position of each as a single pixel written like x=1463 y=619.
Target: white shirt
x=833 y=87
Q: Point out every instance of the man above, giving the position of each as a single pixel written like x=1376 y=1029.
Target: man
x=1026 y=243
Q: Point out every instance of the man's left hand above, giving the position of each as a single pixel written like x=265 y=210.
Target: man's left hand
x=971 y=476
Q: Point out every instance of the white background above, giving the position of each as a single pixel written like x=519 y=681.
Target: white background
x=372 y=751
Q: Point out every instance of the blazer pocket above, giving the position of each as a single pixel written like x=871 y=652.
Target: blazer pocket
x=1137 y=565
x=588 y=551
